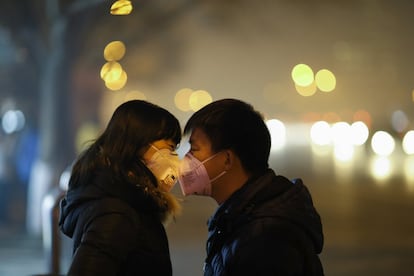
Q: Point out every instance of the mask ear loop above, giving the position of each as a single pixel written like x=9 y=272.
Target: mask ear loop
x=209 y=158
x=220 y=174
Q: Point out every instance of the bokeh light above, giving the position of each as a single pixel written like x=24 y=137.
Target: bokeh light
x=121 y=7
x=382 y=143
x=111 y=71
x=399 y=121
x=320 y=133
x=325 y=80
x=199 y=98
x=13 y=121
x=118 y=83
x=408 y=142
x=86 y=133
x=409 y=170
x=343 y=152
x=277 y=131
x=310 y=117
x=331 y=117
x=182 y=99
x=341 y=133
x=381 y=167
x=135 y=95
x=302 y=75
x=359 y=133
x=364 y=116
x=306 y=91
x=114 y=51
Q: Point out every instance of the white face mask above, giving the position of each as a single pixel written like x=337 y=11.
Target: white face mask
x=164 y=165
x=193 y=176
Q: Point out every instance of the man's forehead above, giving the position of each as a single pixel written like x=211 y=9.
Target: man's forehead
x=199 y=136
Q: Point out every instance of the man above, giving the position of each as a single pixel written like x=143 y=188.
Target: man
x=265 y=224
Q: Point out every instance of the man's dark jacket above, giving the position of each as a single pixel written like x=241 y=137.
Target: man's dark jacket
x=268 y=227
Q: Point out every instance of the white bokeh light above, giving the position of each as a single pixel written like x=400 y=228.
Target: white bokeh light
x=408 y=142
x=382 y=143
x=359 y=133
x=277 y=131
x=320 y=133
x=344 y=152
x=381 y=167
x=341 y=133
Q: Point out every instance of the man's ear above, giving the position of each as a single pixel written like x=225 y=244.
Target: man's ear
x=229 y=159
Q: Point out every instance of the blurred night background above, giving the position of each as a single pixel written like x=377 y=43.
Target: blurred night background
x=334 y=81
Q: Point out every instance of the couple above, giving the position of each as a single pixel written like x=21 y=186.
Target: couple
x=118 y=199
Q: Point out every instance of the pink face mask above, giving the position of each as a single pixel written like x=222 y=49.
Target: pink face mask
x=193 y=176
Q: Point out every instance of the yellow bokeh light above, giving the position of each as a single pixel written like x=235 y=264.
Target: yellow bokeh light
x=302 y=75
x=343 y=152
x=121 y=7
x=381 y=167
x=199 y=98
x=306 y=91
x=182 y=99
x=135 y=95
x=409 y=171
x=117 y=84
x=111 y=71
x=114 y=51
x=85 y=134
x=325 y=80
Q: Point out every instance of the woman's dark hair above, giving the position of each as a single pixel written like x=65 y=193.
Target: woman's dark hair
x=134 y=125
x=234 y=124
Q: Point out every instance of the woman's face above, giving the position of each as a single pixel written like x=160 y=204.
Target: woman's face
x=164 y=165
x=159 y=144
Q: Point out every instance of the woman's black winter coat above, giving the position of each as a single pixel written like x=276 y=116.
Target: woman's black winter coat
x=268 y=227
x=116 y=230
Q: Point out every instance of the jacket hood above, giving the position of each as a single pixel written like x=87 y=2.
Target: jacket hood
x=143 y=197
x=272 y=195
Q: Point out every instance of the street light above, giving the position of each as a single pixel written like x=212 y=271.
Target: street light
x=121 y=7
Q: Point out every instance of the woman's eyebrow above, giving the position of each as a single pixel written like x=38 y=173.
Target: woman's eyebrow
x=172 y=146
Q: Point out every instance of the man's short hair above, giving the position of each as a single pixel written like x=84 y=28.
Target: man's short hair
x=236 y=125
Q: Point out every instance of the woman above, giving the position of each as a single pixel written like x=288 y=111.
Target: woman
x=118 y=196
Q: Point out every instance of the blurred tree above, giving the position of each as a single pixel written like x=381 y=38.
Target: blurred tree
x=41 y=29
x=51 y=38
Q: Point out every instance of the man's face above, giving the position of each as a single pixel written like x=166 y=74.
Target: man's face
x=201 y=149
